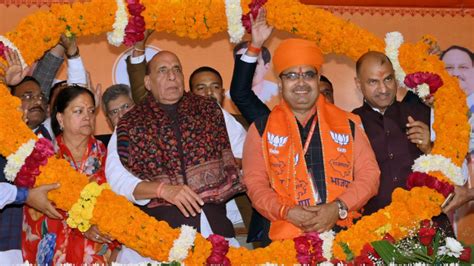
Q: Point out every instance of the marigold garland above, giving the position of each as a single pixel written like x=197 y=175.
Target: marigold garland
x=407 y=209
x=81 y=212
x=202 y=19
x=16 y=160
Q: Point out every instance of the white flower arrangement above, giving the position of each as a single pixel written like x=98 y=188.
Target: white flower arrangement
x=121 y=20
x=328 y=239
x=434 y=162
x=423 y=90
x=233 y=11
x=16 y=160
x=182 y=244
x=10 y=45
x=393 y=41
x=452 y=248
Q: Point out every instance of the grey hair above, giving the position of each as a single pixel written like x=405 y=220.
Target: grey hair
x=113 y=92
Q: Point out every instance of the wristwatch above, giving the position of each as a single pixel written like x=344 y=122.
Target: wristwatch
x=342 y=209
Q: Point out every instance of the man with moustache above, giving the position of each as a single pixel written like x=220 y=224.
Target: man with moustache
x=398 y=131
x=187 y=171
x=34 y=107
x=308 y=163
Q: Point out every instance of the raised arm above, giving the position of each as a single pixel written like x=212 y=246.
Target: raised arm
x=241 y=91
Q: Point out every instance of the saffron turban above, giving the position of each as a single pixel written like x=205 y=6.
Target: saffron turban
x=296 y=52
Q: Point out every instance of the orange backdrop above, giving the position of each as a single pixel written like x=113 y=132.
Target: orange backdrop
x=99 y=57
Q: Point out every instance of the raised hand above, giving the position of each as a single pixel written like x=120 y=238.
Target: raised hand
x=260 y=29
x=97 y=91
x=13 y=71
x=139 y=47
x=69 y=44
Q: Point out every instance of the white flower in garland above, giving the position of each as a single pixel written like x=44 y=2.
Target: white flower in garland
x=431 y=163
x=452 y=248
x=16 y=160
x=182 y=244
x=328 y=239
x=423 y=90
x=393 y=41
x=233 y=11
x=10 y=45
x=121 y=20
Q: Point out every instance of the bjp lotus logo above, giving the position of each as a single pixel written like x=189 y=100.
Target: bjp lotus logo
x=276 y=141
x=341 y=139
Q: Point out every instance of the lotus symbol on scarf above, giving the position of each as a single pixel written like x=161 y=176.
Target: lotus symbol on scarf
x=341 y=139
x=276 y=141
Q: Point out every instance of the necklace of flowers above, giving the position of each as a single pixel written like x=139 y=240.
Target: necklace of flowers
x=81 y=212
x=393 y=41
x=220 y=247
x=182 y=244
x=23 y=166
x=424 y=84
x=134 y=32
x=5 y=42
x=449 y=143
x=121 y=20
x=313 y=248
x=254 y=6
x=233 y=11
x=435 y=162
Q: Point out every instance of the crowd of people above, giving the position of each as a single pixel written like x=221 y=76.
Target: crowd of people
x=303 y=166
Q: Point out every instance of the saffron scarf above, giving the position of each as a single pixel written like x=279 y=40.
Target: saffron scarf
x=286 y=165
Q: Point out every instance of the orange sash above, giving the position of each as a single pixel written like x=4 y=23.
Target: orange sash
x=286 y=166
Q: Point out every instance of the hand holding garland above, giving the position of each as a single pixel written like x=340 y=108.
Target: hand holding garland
x=38 y=199
x=462 y=195
x=139 y=47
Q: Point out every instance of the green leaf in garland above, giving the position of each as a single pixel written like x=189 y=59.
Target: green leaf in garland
x=347 y=251
x=44 y=228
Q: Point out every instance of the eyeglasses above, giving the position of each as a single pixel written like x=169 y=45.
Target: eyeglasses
x=166 y=71
x=293 y=76
x=29 y=97
x=124 y=107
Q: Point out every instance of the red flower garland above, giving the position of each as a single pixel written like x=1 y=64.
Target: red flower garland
x=433 y=81
x=426 y=233
x=309 y=249
x=2 y=50
x=134 y=32
x=220 y=247
x=255 y=5
x=417 y=179
x=26 y=177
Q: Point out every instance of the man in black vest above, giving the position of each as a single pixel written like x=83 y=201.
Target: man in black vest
x=398 y=131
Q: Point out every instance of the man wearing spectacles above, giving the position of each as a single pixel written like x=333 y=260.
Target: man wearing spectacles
x=117 y=101
x=308 y=164
x=33 y=101
x=35 y=109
